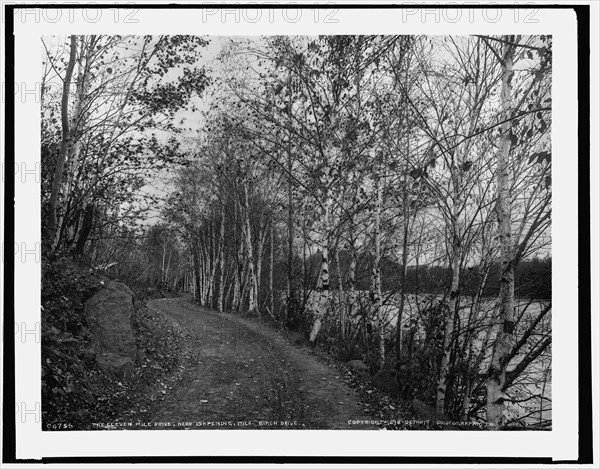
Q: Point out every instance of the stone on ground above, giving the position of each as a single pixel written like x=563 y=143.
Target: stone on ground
x=109 y=313
x=358 y=366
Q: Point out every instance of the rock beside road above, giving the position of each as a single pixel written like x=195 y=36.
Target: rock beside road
x=359 y=367
x=109 y=313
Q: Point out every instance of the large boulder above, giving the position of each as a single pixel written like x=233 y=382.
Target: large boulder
x=359 y=367
x=109 y=313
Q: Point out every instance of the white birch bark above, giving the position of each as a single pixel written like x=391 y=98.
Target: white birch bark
x=351 y=274
x=502 y=346
x=455 y=254
x=323 y=281
x=253 y=287
x=271 y=267
x=341 y=303
x=262 y=237
x=65 y=145
x=236 y=293
x=376 y=278
x=470 y=340
x=220 y=299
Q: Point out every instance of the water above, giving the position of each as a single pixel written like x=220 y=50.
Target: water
x=532 y=390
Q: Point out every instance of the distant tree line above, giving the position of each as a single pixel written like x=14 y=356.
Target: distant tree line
x=532 y=277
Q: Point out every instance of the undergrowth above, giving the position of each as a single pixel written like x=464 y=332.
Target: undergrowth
x=76 y=393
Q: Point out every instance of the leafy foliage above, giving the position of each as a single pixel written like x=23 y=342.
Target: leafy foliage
x=75 y=392
x=319 y=166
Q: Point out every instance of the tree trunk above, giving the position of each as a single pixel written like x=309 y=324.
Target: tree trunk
x=399 y=329
x=220 y=305
x=253 y=287
x=449 y=329
x=236 y=300
x=86 y=229
x=376 y=278
x=405 y=219
x=64 y=147
x=197 y=275
x=271 y=267
x=77 y=124
x=262 y=237
x=162 y=264
x=168 y=267
x=341 y=303
x=213 y=264
x=351 y=297
x=323 y=281
x=469 y=377
x=202 y=260
x=243 y=280
x=288 y=311
x=331 y=155
x=497 y=371
x=455 y=254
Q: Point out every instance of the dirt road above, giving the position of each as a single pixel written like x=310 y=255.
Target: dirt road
x=243 y=374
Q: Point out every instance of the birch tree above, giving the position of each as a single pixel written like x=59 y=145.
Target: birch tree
x=121 y=101
x=505 y=348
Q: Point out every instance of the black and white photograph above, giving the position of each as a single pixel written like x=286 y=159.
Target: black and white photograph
x=295 y=230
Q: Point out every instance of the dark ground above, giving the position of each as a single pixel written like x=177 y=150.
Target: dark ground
x=243 y=374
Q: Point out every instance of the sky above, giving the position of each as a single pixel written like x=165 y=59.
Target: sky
x=191 y=122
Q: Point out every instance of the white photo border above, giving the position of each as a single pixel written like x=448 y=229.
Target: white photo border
x=559 y=444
